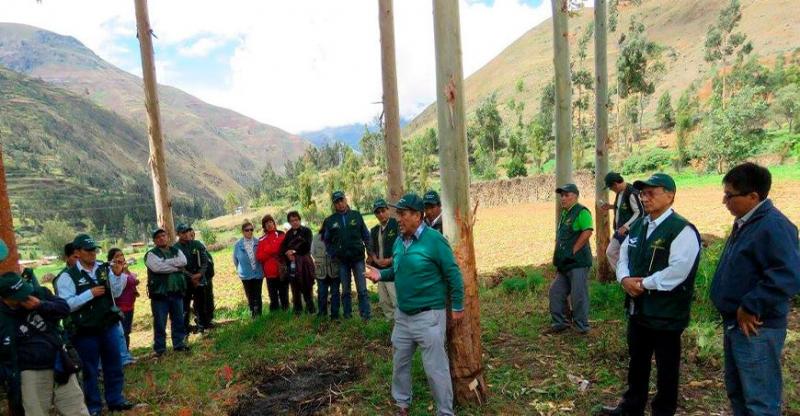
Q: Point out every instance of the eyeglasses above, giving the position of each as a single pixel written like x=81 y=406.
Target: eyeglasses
x=248 y=230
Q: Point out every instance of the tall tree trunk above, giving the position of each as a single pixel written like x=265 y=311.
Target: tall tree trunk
x=11 y=263
x=601 y=139
x=391 y=106
x=563 y=115
x=157 y=162
x=464 y=338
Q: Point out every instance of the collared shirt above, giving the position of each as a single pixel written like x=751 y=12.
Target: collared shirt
x=682 y=254
x=170 y=265
x=117 y=282
x=66 y=287
x=407 y=241
x=746 y=217
x=435 y=220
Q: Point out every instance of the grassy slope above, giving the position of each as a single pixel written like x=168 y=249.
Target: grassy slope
x=527 y=373
x=680 y=25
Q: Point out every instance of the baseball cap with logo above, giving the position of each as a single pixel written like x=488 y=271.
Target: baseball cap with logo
x=568 y=187
x=612 y=178
x=379 y=203
x=13 y=287
x=337 y=195
x=431 y=198
x=657 y=180
x=182 y=228
x=84 y=242
x=409 y=201
x=157 y=231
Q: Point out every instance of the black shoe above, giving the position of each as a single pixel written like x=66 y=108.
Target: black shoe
x=553 y=330
x=184 y=348
x=126 y=405
x=612 y=411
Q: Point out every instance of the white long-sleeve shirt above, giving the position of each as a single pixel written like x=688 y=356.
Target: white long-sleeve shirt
x=118 y=283
x=66 y=288
x=159 y=265
x=633 y=201
x=682 y=254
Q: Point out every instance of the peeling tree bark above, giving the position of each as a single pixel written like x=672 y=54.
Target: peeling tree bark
x=157 y=162
x=463 y=338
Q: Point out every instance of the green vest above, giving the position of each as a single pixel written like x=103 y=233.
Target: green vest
x=625 y=211
x=196 y=257
x=347 y=241
x=97 y=314
x=658 y=309
x=566 y=236
x=161 y=284
x=389 y=235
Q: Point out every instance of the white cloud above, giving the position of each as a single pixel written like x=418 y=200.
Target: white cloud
x=201 y=47
x=299 y=64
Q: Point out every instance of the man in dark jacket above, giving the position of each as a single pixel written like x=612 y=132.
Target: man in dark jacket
x=433 y=210
x=93 y=323
x=627 y=209
x=757 y=276
x=196 y=283
x=382 y=238
x=29 y=352
x=346 y=237
x=657 y=266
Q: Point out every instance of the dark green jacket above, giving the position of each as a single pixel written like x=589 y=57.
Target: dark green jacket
x=389 y=235
x=566 y=237
x=625 y=211
x=657 y=309
x=347 y=235
x=99 y=313
x=159 y=283
x=197 y=259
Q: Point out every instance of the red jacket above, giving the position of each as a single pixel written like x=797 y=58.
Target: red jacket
x=268 y=253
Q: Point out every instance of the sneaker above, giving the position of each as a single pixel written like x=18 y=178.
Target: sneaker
x=183 y=348
x=126 y=405
x=554 y=330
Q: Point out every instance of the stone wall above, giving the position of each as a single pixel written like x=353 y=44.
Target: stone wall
x=526 y=190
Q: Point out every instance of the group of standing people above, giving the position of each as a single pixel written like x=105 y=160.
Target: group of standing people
x=655 y=253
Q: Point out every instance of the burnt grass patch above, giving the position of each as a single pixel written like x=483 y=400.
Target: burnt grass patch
x=296 y=390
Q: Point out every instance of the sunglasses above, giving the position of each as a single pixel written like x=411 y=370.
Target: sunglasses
x=248 y=230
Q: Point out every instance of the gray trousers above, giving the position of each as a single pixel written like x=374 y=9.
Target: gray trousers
x=573 y=284
x=428 y=331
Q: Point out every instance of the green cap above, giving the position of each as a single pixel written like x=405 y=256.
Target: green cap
x=84 y=242
x=612 y=178
x=431 y=198
x=182 y=228
x=157 y=231
x=568 y=187
x=3 y=250
x=379 y=203
x=409 y=201
x=13 y=287
x=337 y=195
x=658 y=180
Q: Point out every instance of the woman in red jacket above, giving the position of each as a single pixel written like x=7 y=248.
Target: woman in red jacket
x=268 y=254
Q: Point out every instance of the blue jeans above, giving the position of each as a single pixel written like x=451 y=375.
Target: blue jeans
x=172 y=305
x=124 y=355
x=96 y=348
x=348 y=270
x=753 y=371
x=323 y=286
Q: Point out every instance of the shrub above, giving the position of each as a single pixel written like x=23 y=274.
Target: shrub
x=516 y=167
x=647 y=161
x=536 y=280
x=208 y=235
x=514 y=285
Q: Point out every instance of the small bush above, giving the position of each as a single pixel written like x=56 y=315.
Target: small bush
x=514 y=285
x=536 y=281
x=208 y=235
x=647 y=161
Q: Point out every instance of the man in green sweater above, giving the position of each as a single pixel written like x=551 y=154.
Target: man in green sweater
x=572 y=259
x=426 y=275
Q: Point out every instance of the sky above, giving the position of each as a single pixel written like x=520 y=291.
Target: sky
x=299 y=65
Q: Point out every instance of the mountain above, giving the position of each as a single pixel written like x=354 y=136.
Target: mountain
x=349 y=134
x=772 y=26
x=221 y=150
